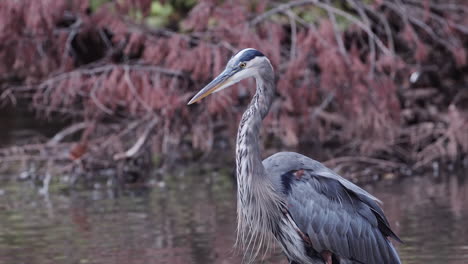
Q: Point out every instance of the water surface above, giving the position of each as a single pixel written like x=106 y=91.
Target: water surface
x=190 y=218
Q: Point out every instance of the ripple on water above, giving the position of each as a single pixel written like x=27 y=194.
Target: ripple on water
x=194 y=222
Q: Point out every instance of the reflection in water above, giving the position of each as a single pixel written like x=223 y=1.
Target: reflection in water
x=433 y=217
x=21 y=127
x=192 y=220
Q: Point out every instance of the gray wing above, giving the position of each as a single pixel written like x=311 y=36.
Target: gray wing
x=337 y=215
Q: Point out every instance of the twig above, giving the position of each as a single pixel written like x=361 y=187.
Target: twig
x=96 y=100
x=279 y=9
x=332 y=118
x=442 y=6
x=105 y=39
x=74 y=29
x=8 y=93
x=65 y=132
x=338 y=37
x=327 y=7
x=400 y=10
x=387 y=28
x=310 y=26
x=133 y=89
x=97 y=70
x=323 y=105
x=125 y=131
x=440 y=19
x=292 y=22
x=139 y=143
x=371 y=38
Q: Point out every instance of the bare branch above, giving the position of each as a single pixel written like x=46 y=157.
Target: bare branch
x=96 y=100
x=338 y=37
x=134 y=91
x=66 y=132
x=323 y=105
x=328 y=8
x=74 y=30
x=139 y=143
x=292 y=22
x=371 y=38
x=401 y=10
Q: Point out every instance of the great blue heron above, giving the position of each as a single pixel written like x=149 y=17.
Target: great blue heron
x=316 y=215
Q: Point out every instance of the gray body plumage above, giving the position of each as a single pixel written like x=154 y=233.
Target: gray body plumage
x=309 y=209
x=335 y=214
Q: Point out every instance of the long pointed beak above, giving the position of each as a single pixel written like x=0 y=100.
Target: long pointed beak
x=219 y=83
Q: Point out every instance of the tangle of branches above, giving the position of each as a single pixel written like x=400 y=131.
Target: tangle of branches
x=384 y=80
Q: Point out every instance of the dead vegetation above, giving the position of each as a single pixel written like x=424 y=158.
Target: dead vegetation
x=380 y=83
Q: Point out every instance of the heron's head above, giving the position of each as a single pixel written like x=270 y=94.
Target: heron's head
x=246 y=63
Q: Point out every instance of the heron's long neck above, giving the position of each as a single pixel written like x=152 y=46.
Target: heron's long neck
x=250 y=170
x=258 y=205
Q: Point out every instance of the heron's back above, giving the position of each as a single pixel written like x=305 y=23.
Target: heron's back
x=333 y=214
x=282 y=162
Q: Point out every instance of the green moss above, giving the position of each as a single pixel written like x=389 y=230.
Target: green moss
x=313 y=14
x=159 y=14
x=96 y=4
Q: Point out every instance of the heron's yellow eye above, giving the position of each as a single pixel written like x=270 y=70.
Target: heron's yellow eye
x=242 y=64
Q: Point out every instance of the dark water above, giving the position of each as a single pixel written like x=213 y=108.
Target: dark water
x=20 y=127
x=191 y=219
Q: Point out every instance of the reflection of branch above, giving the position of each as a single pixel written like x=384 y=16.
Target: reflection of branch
x=139 y=143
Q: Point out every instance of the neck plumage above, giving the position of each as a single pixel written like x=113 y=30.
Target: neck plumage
x=248 y=157
x=257 y=202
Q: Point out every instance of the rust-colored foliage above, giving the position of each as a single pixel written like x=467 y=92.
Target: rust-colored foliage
x=343 y=76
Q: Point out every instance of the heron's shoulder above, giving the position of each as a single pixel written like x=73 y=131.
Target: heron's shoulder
x=287 y=161
x=284 y=162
